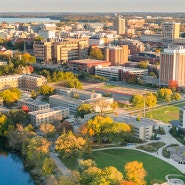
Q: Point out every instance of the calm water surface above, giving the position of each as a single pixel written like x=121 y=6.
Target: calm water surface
x=12 y=170
x=26 y=20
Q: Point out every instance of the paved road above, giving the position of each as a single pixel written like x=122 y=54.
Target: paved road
x=64 y=170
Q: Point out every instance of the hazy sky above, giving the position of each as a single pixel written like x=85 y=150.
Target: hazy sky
x=92 y=5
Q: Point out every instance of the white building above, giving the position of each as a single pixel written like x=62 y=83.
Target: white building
x=47 y=34
x=117 y=72
x=33 y=105
x=48 y=115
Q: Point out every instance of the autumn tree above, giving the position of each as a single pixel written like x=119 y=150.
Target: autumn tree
x=150 y=100
x=84 y=109
x=46 y=90
x=101 y=106
x=28 y=58
x=176 y=96
x=164 y=94
x=33 y=94
x=64 y=127
x=137 y=100
x=142 y=65
x=135 y=172
x=48 y=129
x=96 y=53
x=70 y=145
x=9 y=97
x=130 y=78
x=172 y=84
x=3 y=125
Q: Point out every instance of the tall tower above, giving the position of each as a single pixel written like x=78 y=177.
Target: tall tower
x=172 y=66
x=119 y=24
x=170 y=31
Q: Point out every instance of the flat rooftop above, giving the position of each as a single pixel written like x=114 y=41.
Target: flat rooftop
x=48 y=110
x=89 y=61
x=35 y=102
x=66 y=99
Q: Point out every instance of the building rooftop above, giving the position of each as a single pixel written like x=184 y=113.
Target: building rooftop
x=66 y=98
x=47 y=110
x=89 y=61
x=35 y=102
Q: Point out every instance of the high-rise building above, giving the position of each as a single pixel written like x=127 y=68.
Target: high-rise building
x=170 y=31
x=119 y=24
x=172 y=66
x=117 y=55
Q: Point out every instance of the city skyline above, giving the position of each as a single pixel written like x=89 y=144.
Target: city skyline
x=92 y=6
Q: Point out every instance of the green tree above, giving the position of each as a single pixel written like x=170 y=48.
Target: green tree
x=48 y=166
x=18 y=116
x=33 y=94
x=39 y=38
x=84 y=109
x=46 y=90
x=3 y=127
x=96 y=53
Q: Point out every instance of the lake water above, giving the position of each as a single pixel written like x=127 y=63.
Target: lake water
x=12 y=170
x=26 y=20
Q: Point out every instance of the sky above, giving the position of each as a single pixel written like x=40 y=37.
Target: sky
x=92 y=5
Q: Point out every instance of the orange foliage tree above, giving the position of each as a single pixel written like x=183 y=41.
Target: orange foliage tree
x=135 y=172
x=172 y=84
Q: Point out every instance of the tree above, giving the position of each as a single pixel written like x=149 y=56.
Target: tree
x=101 y=106
x=84 y=109
x=46 y=90
x=150 y=100
x=135 y=172
x=70 y=145
x=3 y=120
x=17 y=91
x=28 y=58
x=33 y=94
x=176 y=96
x=39 y=38
x=9 y=97
x=48 y=166
x=64 y=127
x=130 y=78
x=18 y=116
x=172 y=84
x=137 y=101
x=48 y=129
x=164 y=93
x=96 y=53
x=142 y=65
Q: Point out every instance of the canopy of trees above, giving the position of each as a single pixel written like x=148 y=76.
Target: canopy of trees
x=46 y=90
x=96 y=53
x=84 y=109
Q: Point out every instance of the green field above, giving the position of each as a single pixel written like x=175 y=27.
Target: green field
x=156 y=168
x=166 y=113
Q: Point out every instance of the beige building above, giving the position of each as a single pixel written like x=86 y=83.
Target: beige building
x=42 y=51
x=66 y=97
x=119 y=25
x=33 y=105
x=27 y=82
x=117 y=55
x=48 y=115
x=82 y=94
x=71 y=103
x=170 y=31
x=135 y=23
x=61 y=51
x=172 y=66
x=134 y=46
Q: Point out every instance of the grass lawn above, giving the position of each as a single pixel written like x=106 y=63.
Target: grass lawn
x=166 y=113
x=156 y=168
